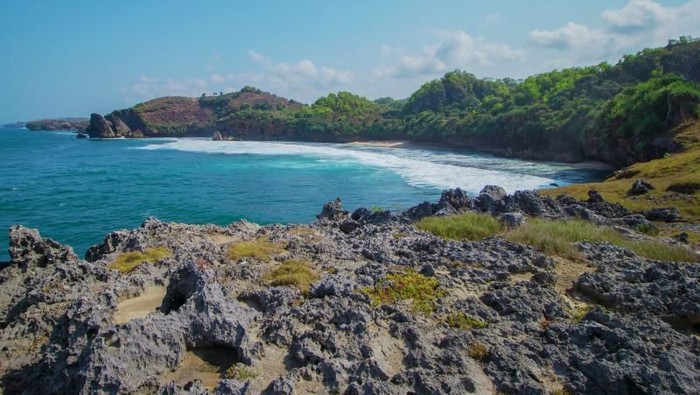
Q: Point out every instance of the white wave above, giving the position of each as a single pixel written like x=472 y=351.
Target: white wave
x=421 y=168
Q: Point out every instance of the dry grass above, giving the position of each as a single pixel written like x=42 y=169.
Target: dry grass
x=295 y=273
x=128 y=261
x=479 y=351
x=261 y=249
x=679 y=172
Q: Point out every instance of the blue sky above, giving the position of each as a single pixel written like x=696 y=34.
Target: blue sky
x=71 y=58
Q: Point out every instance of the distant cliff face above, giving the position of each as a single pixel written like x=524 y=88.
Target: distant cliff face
x=235 y=114
x=77 y=124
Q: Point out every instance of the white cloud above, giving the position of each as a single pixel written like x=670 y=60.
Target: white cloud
x=640 y=23
x=569 y=36
x=452 y=50
x=638 y=15
x=257 y=57
x=302 y=80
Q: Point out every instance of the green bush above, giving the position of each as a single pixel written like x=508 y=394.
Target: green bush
x=422 y=291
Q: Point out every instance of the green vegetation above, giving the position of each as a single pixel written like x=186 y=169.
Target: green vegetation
x=460 y=320
x=577 y=313
x=613 y=113
x=240 y=372
x=556 y=237
x=261 y=249
x=471 y=226
x=296 y=273
x=420 y=290
x=128 y=261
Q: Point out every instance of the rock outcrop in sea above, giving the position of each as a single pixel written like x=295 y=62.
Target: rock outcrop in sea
x=206 y=316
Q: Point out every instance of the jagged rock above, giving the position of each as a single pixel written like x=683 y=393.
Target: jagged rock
x=217 y=136
x=333 y=211
x=531 y=203
x=512 y=220
x=491 y=198
x=416 y=213
x=66 y=327
x=27 y=247
x=119 y=128
x=455 y=198
x=81 y=136
x=640 y=187
x=668 y=214
x=595 y=196
x=99 y=127
x=349 y=225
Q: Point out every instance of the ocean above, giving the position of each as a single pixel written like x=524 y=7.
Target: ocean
x=78 y=190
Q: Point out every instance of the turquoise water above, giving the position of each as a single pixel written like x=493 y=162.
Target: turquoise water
x=77 y=190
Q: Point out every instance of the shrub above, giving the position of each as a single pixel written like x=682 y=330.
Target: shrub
x=422 y=291
x=128 y=261
x=261 y=249
x=240 y=372
x=471 y=226
x=295 y=273
x=460 y=320
x=478 y=351
x=687 y=188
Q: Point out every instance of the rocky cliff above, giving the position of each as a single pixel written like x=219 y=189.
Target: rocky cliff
x=77 y=124
x=355 y=303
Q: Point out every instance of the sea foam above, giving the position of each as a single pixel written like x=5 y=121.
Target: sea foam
x=419 y=167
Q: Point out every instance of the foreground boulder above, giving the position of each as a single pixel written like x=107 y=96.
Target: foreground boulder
x=209 y=314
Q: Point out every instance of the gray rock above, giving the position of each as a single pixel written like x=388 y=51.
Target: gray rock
x=669 y=214
x=333 y=211
x=491 y=199
x=512 y=220
x=99 y=127
x=640 y=187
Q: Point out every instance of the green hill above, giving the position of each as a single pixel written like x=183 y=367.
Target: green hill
x=619 y=114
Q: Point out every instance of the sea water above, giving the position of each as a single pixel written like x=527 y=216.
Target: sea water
x=77 y=190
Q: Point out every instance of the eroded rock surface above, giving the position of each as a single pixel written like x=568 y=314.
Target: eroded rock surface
x=63 y=327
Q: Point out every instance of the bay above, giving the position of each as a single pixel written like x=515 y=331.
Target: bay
x=77 y=190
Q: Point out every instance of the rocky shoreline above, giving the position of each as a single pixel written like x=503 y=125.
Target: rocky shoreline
x=205 y=316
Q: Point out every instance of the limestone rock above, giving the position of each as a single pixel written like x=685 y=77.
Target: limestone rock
x=640 y=187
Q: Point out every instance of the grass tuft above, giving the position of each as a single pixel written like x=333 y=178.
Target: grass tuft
x=261 y=249
x=296 y=273
x=460 y=320
x=240 y=372
x=471 y=226
x=128 y=261
x=478 y=351
x=557 y=237
x=422 y=291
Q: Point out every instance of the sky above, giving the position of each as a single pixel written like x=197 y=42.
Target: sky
x=75 y=57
